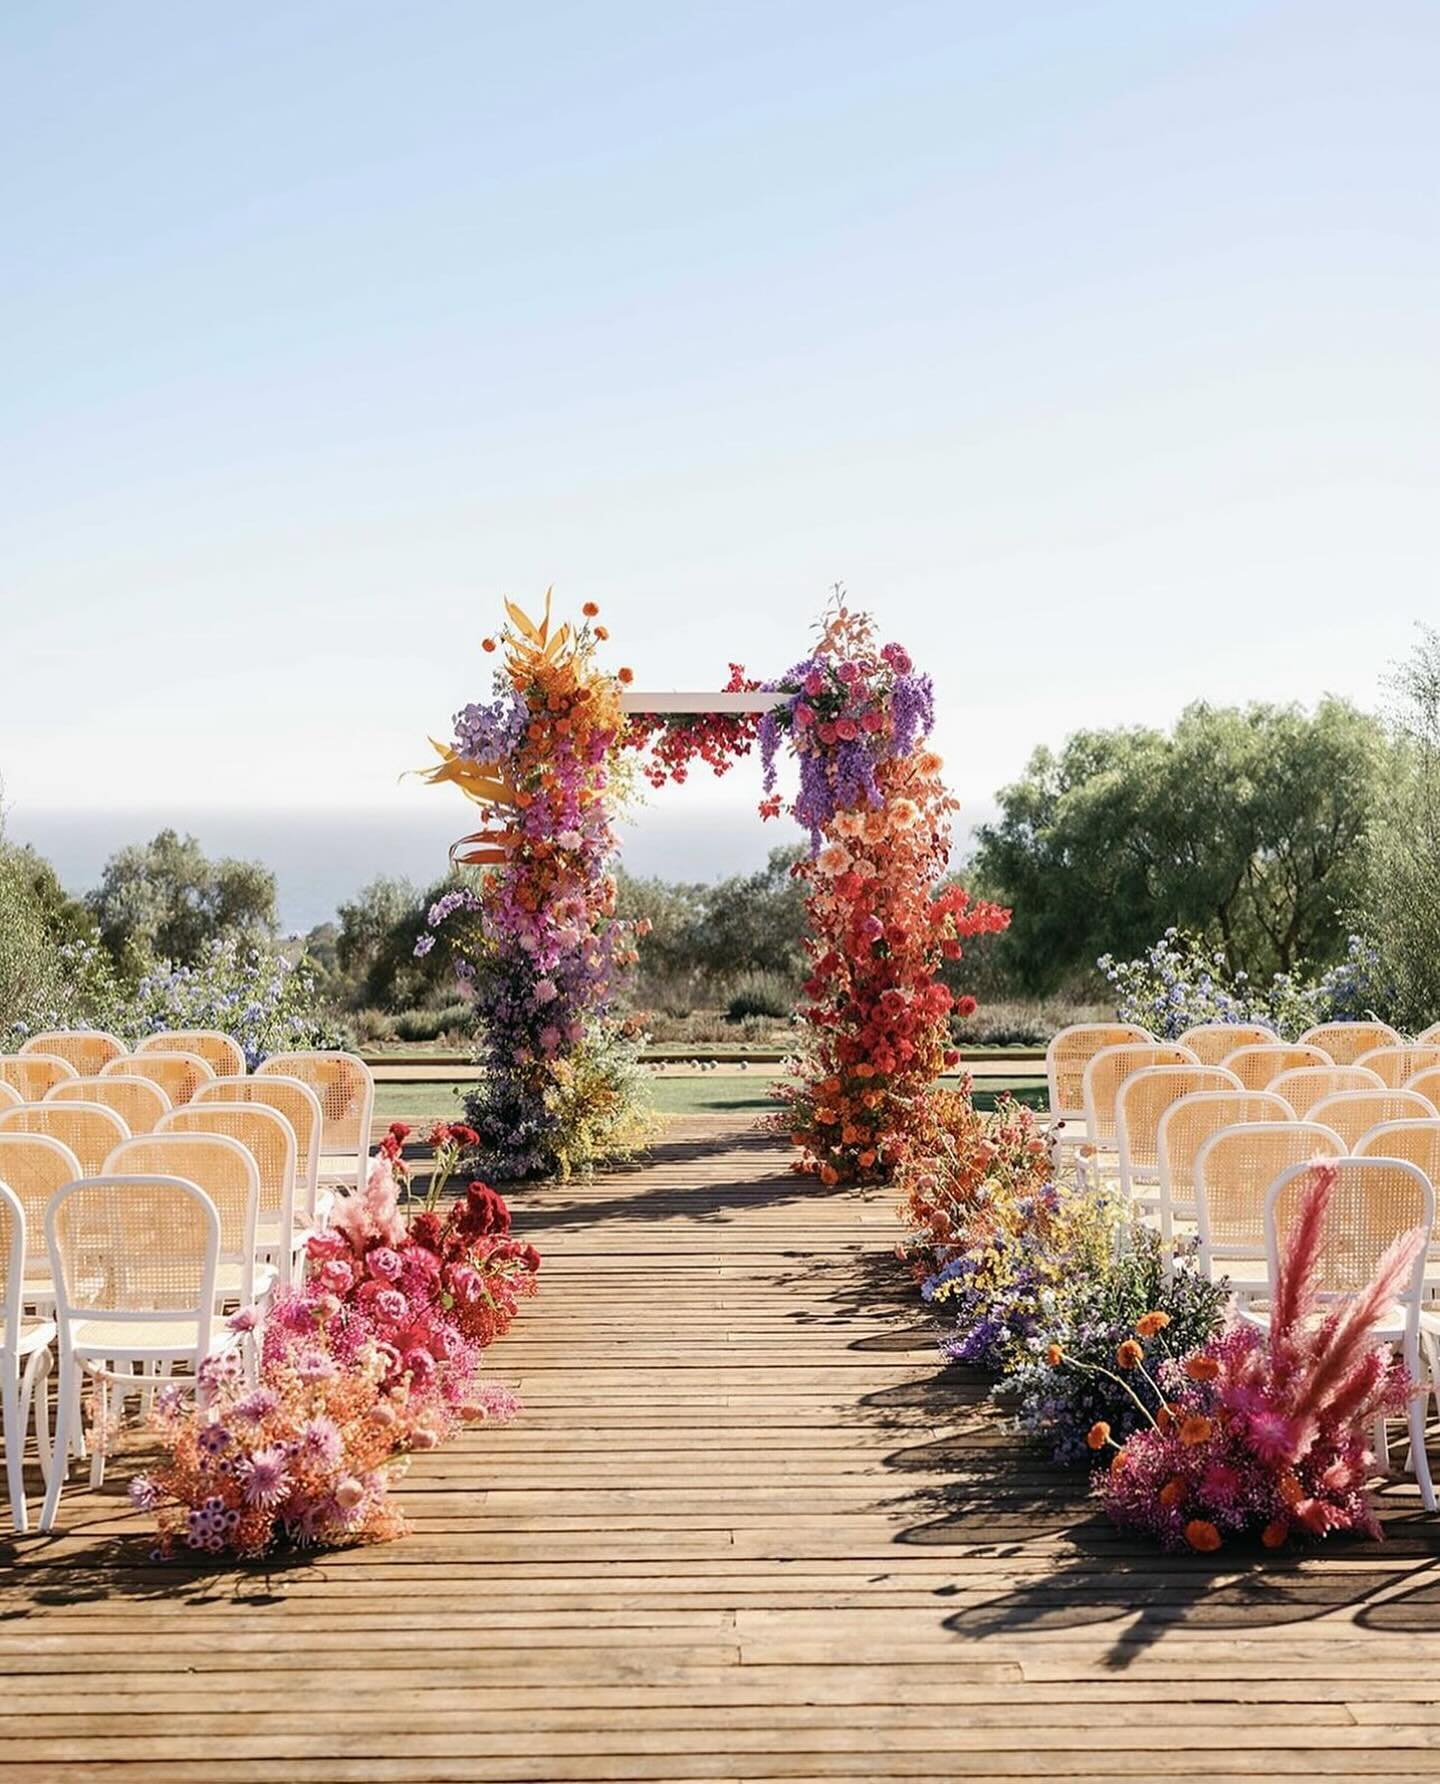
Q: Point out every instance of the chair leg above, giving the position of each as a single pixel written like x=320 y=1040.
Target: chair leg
x=14 y=1444
x=35 y=1394
x=1419 y=1461
x=102 y=1431
x=1382 y=1443
x=64 y=1438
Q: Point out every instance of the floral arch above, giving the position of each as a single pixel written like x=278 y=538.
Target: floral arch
x=538 y=945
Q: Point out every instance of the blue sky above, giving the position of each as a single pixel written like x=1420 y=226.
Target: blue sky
x=1094 y=346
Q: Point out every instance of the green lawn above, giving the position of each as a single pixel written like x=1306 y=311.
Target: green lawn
x=711 y=1093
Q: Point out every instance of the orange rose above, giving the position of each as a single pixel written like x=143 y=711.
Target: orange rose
x=1200 y=1367
x=1195 y=1429
x=627 y=676
x=1150 y=1323
x=829 y=1175
x=1202 y=1535
x=1129 y=1354
x=1098 y=1435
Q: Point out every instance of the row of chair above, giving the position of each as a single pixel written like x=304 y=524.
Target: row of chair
x=141 y=1086
x=126 y=1217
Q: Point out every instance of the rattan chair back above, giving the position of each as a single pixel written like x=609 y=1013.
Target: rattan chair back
x=179 y=1075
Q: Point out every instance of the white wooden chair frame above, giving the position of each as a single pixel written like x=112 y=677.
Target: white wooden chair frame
x=26 y=1357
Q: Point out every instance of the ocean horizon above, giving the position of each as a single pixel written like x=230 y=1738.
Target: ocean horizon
x=322 y=858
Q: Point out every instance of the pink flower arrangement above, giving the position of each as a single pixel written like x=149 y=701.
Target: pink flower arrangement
x=303 y=1458
x=1265 y=1433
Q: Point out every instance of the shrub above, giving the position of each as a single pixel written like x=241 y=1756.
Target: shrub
x=761 y=994
x=430 y=1025
x=1180 y=981
x=247 y=992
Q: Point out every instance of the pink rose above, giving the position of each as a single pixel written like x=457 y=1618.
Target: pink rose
x=804 y=714
x=320 y=1246
x=814 y=683
x=849 y=673
x=384 y=1263
x=846 y=730
x=872 y=721
x=336 y=1275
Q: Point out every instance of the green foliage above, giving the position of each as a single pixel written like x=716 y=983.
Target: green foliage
x=705 y=939
x=761 y=994
x=53 y=972
x=374 y=951
x=249 y=992
x=1400 y=904
x=1247 y=825
x=166 y=900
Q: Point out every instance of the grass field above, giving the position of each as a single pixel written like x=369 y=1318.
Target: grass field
x=714 y=1093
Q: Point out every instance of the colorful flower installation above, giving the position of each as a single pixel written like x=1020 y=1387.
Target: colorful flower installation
x=1267 y=1433
x=1216 y=1430
x=376 y=1357
x=539 y=947
x=871 y=797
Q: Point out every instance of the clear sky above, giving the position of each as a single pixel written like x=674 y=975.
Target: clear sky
x=1093 y=345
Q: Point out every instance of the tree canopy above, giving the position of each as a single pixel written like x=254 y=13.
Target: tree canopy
x=165 y=900
x=1247 y=824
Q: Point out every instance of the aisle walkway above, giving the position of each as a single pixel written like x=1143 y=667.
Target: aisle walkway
x=742 y=1532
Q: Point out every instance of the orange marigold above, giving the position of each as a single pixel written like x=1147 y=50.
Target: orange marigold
x=1200 y=1367
x=1054 y=1356
x=1149 y=1324
x=487 y=644
x=602 y=633
x=1275 y=1534
x=1196 y=1429
x=590 y=609
x=1128 y=1354
x=1201 y=1534
x=1098 y=1435
x=1173 y=1492
x=627 y=676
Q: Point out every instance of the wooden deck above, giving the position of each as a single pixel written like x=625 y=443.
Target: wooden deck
x=741 y=1532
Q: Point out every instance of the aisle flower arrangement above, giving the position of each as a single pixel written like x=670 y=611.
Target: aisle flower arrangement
x=1212 y=1429
x=377 y=1356
x=1266 y=1434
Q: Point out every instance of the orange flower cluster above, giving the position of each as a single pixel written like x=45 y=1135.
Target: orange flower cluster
x=878 y=1014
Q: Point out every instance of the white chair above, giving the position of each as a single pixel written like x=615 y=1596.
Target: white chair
x=270 y=1140
x=346 y=1089
x=179 y=1075
x=1395 y=1065
x=90 y=1130
x=1104 y=1074
x=229 y=1177
x=1376 y=1200
x=1071 y=1049
x=1210 y=1042
x=134 y=1259
x=1429 y=1037
x=1304 y=1086
x=1233 y=1171
x=32 y=1074
x=1348 y=1042
x=224 y=1055
x=1354 y=1112
x=1255 y=1066
x=139 y=1102
x=1184 y=1128
x=300 y=1107
x=35 y=1166
x=1140 y=1102
x=1417 y=1141
x=87 y=1049
x=25 y=1359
